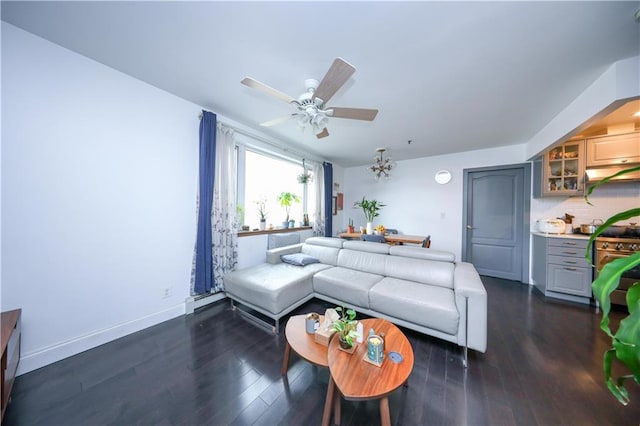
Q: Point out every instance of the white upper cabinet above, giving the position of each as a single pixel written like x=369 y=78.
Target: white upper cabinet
x=613 y=150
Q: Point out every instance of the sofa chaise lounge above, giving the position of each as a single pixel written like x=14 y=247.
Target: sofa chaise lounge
x=420 y=289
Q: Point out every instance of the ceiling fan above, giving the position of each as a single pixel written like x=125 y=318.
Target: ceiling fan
x=311 y=105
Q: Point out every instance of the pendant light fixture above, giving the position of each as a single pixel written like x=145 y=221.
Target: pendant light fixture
x=382 y=166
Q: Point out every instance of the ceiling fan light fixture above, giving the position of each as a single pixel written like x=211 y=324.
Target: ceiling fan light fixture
x=310 y=105
x=320 y=120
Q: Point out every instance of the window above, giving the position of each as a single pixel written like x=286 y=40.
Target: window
x=261 y=176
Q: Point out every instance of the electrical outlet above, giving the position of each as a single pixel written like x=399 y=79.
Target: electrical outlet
x=167 y=293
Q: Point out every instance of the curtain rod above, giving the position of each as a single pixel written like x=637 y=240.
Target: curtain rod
x=264 y=140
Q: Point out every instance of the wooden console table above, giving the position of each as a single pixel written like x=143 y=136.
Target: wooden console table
x=10 y=352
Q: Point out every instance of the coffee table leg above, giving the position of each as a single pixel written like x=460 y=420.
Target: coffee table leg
x=326 y=415
x=385 y=417
x=337 y=408
x=285 y=361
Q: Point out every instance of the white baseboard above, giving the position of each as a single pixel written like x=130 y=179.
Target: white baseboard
x=54 y=353
x=194 y=302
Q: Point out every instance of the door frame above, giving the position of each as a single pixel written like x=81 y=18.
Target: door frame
x=526 y=219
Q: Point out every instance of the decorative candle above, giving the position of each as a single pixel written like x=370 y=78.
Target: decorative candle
x=375 y=349
x=312 y=322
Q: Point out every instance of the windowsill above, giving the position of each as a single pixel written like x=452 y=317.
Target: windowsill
x=272 y=231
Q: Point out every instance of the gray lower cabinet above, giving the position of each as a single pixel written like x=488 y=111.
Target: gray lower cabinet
x=560 y=269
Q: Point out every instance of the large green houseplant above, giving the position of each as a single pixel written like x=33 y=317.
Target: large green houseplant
x=370 y=208
x=626 y=339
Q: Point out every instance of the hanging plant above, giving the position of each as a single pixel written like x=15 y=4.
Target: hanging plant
x=305 y=176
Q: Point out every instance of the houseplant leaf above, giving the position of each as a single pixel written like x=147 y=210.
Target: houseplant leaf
x=627 y=214
x=607 y=281
x=626 y=340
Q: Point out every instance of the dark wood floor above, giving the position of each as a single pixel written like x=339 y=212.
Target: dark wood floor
x=542 y=367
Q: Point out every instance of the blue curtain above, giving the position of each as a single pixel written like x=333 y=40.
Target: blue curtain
x=328 y=198
x=203 y=280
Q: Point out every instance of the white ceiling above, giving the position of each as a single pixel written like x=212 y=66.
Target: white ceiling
x=449 y=76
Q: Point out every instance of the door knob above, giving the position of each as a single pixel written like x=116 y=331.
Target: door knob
x=469 y=227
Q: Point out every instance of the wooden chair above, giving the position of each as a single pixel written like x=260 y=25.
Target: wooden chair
x=373 y=238
x=426 y=243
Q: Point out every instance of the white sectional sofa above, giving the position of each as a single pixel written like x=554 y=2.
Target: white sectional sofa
x=421 y=289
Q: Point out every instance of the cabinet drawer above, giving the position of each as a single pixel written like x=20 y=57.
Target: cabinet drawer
x=577 y=262
x=570 y=280
x=566 y=242
x=567 y=251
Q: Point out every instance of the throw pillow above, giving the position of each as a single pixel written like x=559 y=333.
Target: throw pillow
x=299 y=259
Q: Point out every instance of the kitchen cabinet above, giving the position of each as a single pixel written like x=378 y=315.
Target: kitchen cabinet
x=613 y=150
x=560 y=269
x=560 y=172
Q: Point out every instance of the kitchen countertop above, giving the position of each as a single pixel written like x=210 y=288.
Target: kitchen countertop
x=574 y=236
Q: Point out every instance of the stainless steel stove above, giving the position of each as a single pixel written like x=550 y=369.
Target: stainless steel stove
x=609 y=248
x=618 y=245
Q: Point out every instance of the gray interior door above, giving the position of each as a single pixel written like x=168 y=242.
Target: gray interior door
x=496 y=221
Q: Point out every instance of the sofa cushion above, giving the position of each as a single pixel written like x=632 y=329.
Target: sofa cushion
x=421 y=253
x=272 y=287
x=325 y=241
x=366 y=246
x=347 y=285
x=372 y=263
x=326 y=255
x=299 y=259
x=281 y=240
x=422 y=271
x=426 y=305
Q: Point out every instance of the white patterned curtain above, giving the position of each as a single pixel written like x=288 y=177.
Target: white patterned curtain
x=318 y=218
x=224 y=224
x=224 y=220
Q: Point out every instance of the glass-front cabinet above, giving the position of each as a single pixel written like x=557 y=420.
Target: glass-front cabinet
x=563 y=169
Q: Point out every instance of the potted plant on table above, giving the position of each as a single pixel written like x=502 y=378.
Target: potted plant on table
x=286 y=199
x=625 y=341
x=345 y=327
x=350 y=228
x=371 y=210
x=262 y=212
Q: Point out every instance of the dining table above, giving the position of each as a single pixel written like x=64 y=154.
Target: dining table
x=392 y=239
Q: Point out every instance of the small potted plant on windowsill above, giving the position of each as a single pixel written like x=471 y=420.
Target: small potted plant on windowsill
x=262 y=212
x=286 y=199
x=345 y=327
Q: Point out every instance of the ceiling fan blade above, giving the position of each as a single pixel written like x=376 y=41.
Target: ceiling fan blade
x=354 y=113
x=323 y=134
x=333 y=80
x=277 y=120
x=255 y=84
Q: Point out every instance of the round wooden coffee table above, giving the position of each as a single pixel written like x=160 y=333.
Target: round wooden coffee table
x=357 y=379
x=302 y=343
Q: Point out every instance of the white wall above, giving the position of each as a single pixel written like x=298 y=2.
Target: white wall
x=99 y=174
x=416 y=204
